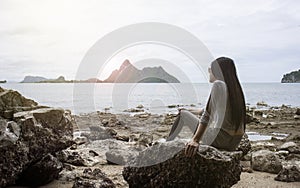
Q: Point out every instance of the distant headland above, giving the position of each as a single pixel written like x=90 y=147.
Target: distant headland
x=127 y=73
x=292 y=77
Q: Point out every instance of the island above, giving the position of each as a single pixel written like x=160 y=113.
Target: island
x=292 y=77
x=127 y=73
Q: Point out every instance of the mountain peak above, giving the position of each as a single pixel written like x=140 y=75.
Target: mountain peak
x=128 y=73
x=125 y=64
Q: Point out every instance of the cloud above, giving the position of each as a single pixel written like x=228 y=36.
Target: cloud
x=54 y=35
x=18 y=31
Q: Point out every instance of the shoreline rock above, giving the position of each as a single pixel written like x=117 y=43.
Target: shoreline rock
x=156 y=167
x=26 y=141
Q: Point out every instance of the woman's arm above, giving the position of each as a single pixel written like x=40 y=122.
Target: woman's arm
x=217 y=104
x=192 y=147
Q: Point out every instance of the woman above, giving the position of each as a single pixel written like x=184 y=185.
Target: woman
x=222 y=124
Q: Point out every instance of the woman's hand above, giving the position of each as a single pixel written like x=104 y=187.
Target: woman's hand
x=191 y=148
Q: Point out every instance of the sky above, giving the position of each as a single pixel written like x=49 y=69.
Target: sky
x=51 y=37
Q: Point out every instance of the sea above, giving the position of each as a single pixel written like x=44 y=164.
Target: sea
x=158 y=98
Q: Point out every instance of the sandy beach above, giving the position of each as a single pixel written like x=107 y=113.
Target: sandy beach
x=266 y=121
x=94 y=149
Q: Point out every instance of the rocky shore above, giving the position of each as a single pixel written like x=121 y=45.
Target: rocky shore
x=101 y=149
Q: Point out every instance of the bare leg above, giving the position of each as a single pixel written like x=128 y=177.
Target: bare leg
x=185 y=118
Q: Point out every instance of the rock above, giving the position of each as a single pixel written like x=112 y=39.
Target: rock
x=296 y=117
x=105 y=122
x=93 y=179
x=165 y=165
x=145 y=139
x=292 y=147
x=293 y=137
x=245 y=145
x=3 y=125
x=292 y=156
x=120 y=152
x=282 y=154
x=98 y=133
x=81 y=140
x=246 y=166
x=12 y=101
x=145 y=115
x=8 y=114
x=71 y=157
x=29 y=138
x=263 y=146
x=269 y=115
x=42 y=172
x=134 y=110
x=7 y=135
x=120 y=156
x=14 y=128
x=124 y=138
x=140 y=106
x=98 y=152
x=262 y=103
x=258 y=112
x=298 y=111
x=290 y=172
x=287 y=145
x=251 y=119
x=266 y=161
x=111 y=132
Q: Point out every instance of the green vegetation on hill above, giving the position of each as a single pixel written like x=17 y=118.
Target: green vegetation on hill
x=292 y=77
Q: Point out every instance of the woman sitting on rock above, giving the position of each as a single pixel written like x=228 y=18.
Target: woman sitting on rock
x=222 y=123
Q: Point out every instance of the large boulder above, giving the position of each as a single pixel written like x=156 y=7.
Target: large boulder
x=29 y=138
x=165 y=165
x=266 y=161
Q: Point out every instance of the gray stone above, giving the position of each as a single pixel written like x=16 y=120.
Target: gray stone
x=81 y=140
x=292 y=147
x=12 y=101
x=71 y=157
x=165 y=165
x=263 y=146
x=98 y=133
x=120 y=156
x=93 y=179
x=290 y=172
x=266 y=161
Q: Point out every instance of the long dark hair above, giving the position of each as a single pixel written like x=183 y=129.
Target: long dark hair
x=223 y=68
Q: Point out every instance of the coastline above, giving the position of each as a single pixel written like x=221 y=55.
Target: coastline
x=98 y=133
x=264 y=121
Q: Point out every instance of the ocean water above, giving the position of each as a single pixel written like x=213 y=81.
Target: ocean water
x=155 y=97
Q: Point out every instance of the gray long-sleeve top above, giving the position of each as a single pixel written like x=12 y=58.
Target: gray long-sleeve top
x=218 y=115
